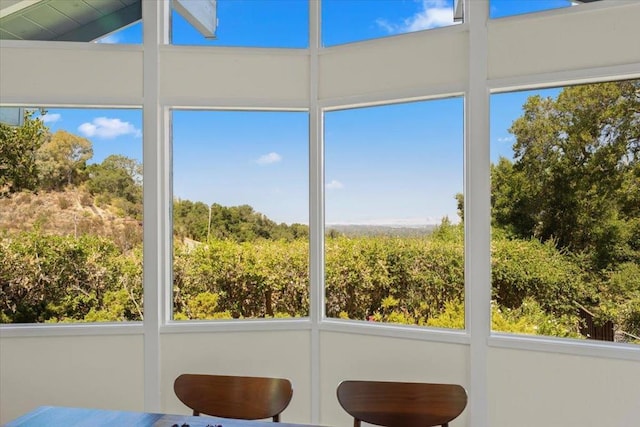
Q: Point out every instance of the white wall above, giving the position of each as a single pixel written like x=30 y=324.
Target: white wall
x=530 y=389
x=410 y=63
x=92 y=371
x=234 y=76
x=346 y=356
x=106 y=372
x=64 y=73
x=284 y=354
x=562 y=40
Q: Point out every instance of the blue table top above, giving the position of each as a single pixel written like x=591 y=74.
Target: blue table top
x=57 y=416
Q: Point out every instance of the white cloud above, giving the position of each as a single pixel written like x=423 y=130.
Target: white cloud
x=267 y=159
x=385 y=25
x=103 y=127
x=432 y=14
x=334 y=185
x=50 y=118
x=109 y=39
x=510 y=138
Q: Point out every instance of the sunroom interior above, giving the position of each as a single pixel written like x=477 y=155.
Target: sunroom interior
x=510 y=379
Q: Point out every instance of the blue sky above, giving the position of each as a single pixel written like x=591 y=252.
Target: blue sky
x=395 y=164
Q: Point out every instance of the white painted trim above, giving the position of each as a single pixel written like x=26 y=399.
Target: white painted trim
x=394 y=97
x=477 y=212
x=565 y=78
x=582 y=8
x=235 y=104
x=244 y=325
x=13 y=6
x=37 y=101
x=75 y=46
x=155 y=18
x=235 y=50
x=396 y=331
x=566 y=346
x=316 y=208
x=166 y=192
x=70 y=329
x=457 y=27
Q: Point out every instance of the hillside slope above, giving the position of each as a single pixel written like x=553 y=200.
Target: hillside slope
x=68 y=212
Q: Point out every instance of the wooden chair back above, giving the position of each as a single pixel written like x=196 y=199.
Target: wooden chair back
x=248 y=398
x=398 y=404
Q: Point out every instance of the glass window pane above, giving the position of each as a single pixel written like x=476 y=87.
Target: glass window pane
x=500 y=8
x=566 y=211
x=240 y=214
x=394 y=240
x=250 y=23
x=346 y=21
x=71 y=216
x=128 y=35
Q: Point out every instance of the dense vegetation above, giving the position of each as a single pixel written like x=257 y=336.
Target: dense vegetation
x=574 y=183
x=566 y=235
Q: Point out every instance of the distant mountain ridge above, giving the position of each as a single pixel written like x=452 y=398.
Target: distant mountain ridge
x=74 y=211
x=381 y=229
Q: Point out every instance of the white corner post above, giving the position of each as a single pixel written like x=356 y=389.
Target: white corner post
x=477 y=211
x=316 y=208
x=155 y=14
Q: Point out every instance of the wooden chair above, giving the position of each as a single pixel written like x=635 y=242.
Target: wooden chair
x=247 y=398
x=397 y=404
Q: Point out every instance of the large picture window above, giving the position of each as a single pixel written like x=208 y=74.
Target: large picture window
x=240 y=215
x=502 y=8
x=566 y=211
x=71 y=216
x=264 y=24
x=394 y=239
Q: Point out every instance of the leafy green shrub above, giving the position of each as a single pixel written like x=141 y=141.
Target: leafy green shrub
x=421 y=274
x=390 y=312
x=413 y=281
x=115 y=308
x=630 y=324
x=621 y=295
x=258 y=279
x=59 y=278
x=18 y=148
x=203 y=306
x=529 y=268
x=529 y=318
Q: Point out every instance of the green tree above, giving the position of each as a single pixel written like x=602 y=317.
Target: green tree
x=62 y=160
x=575 y=175
x=18 y=148
x=118 y=181
x=510 y=201
x=118 y=176
x=190 y=219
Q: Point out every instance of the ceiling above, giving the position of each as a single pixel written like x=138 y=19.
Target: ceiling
x=65 y=20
